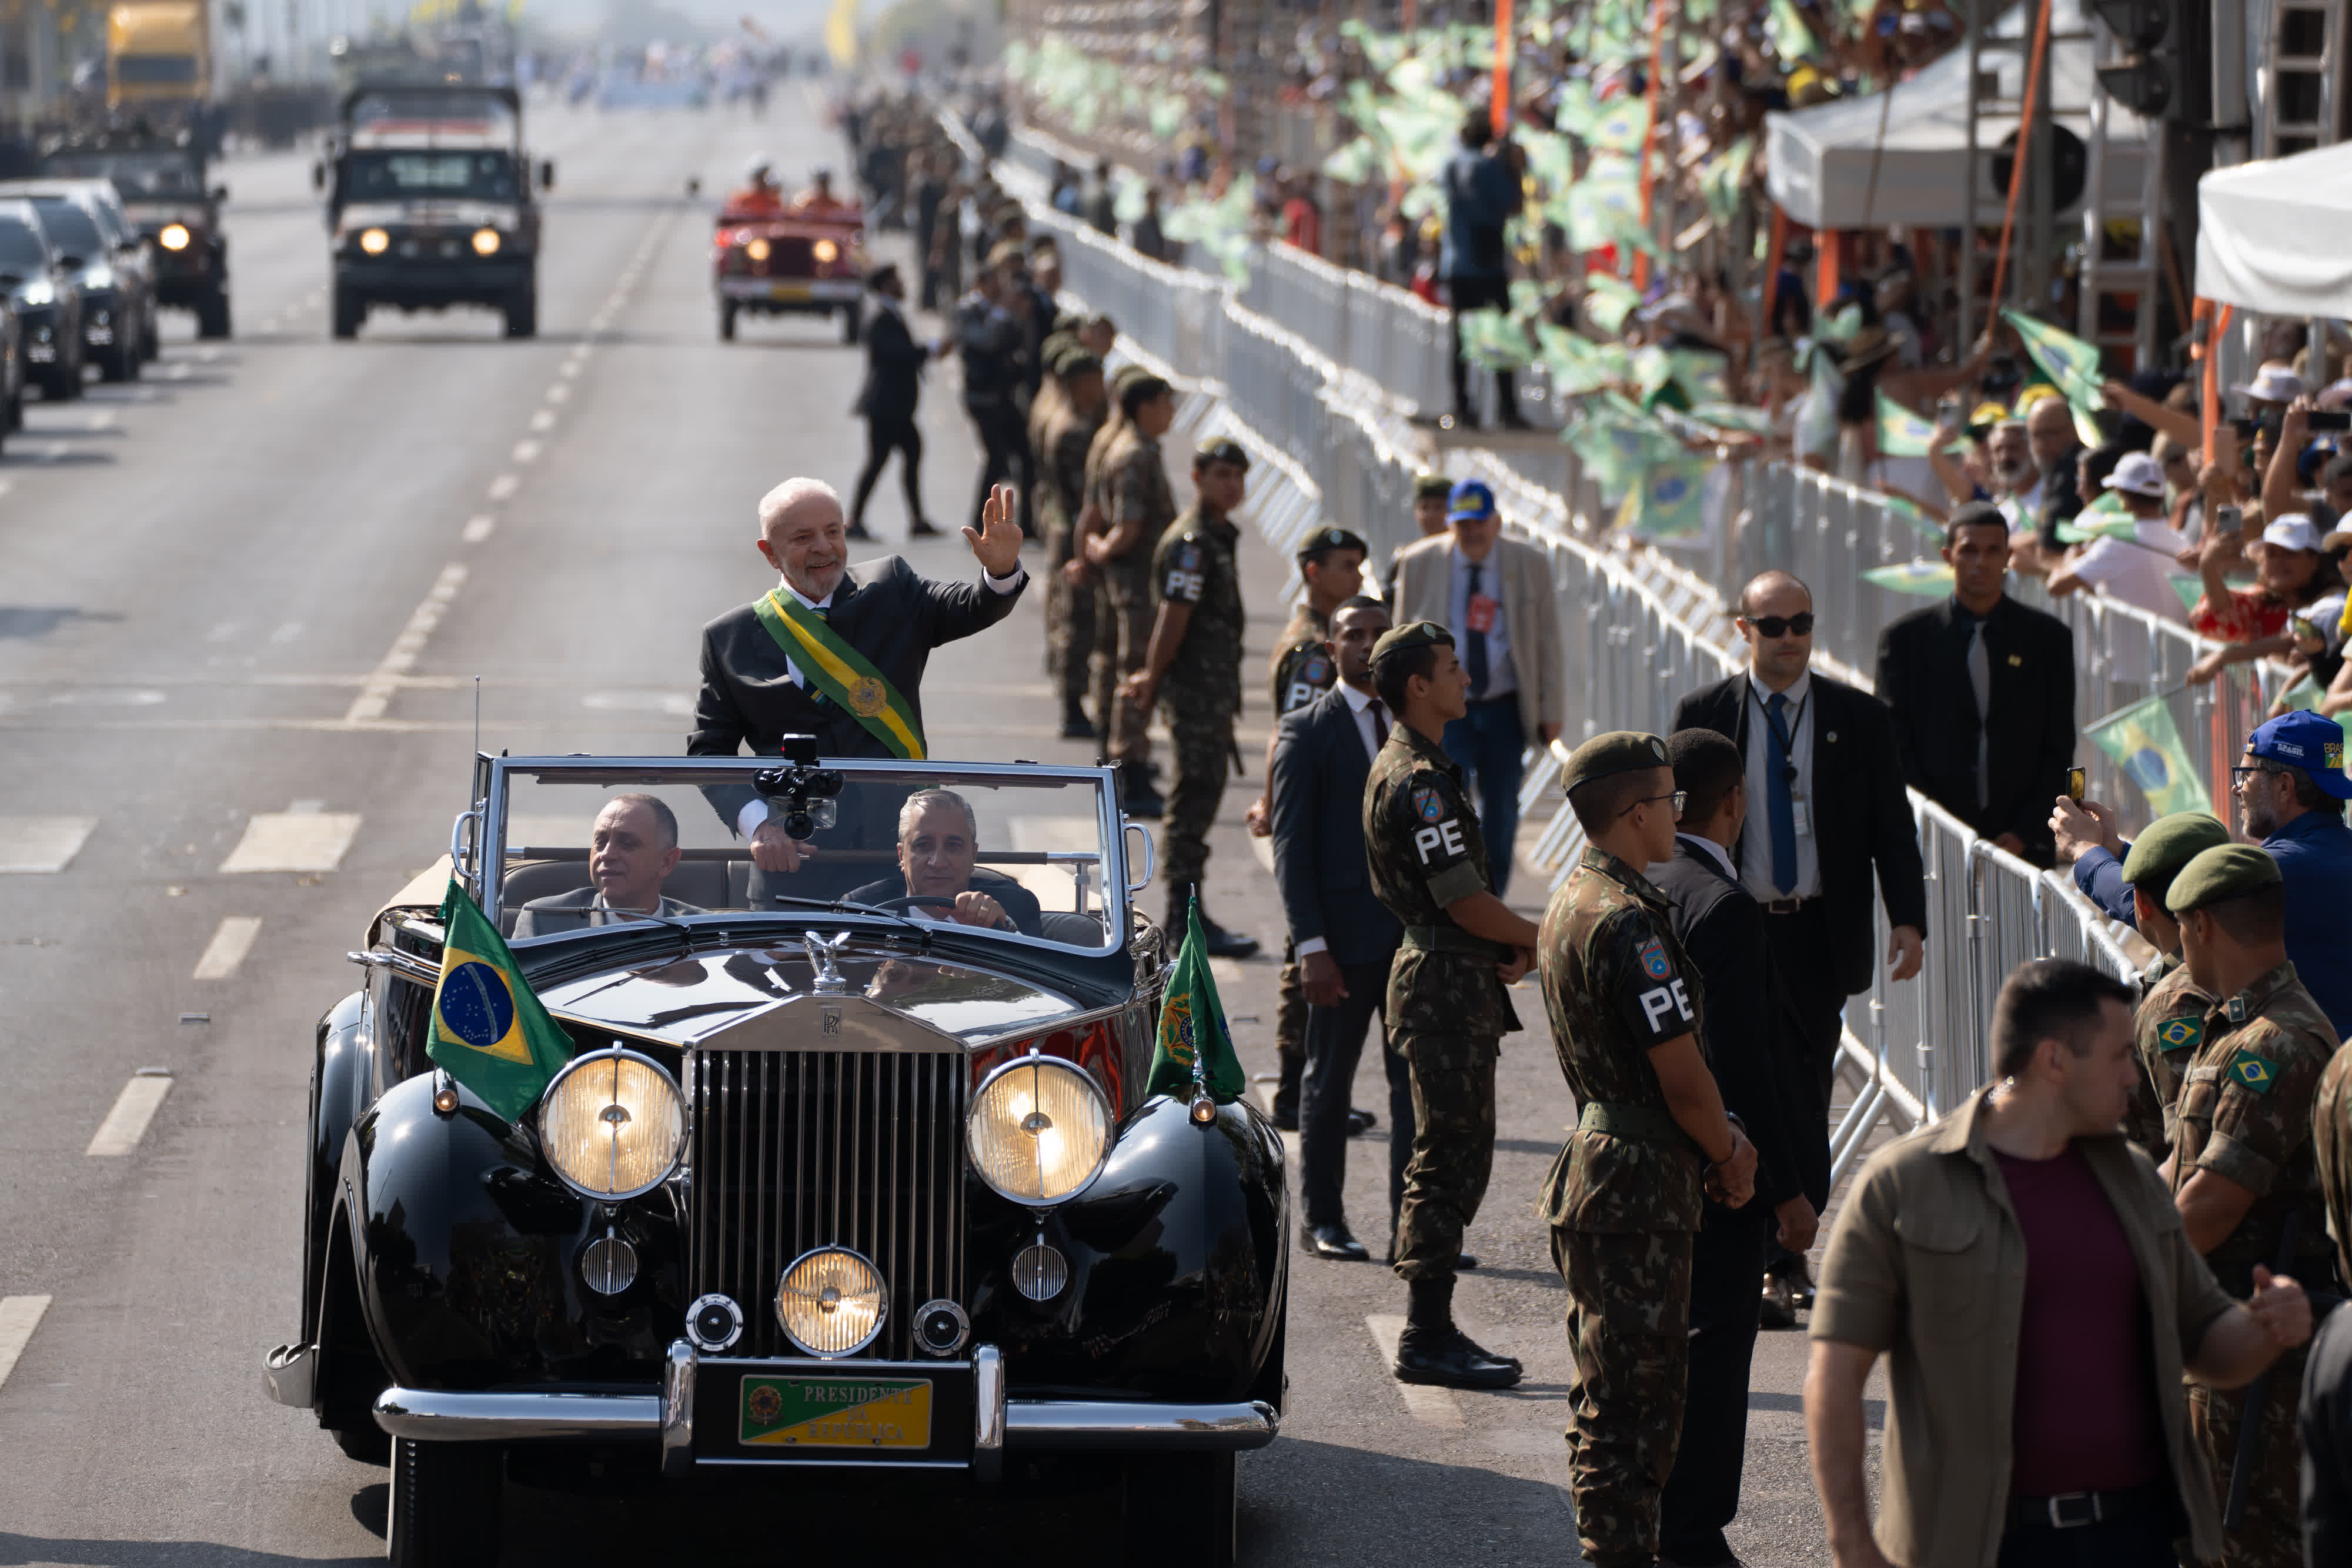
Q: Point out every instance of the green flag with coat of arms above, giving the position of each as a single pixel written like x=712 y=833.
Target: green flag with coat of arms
x=2146 y=744
x=1192 y=1026
x=489 y=1032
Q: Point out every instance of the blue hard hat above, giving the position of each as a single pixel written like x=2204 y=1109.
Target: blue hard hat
x=1469 y=499
x=2304 y=739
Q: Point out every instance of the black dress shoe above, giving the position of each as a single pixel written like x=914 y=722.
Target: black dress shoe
x=1465 y=1261
x=1223 y=944
x=1444 y=1357
x=922 y=528
x=1332 y=1242
x=856 y=532
x=1779 y=1307
x=1142 y=802
x=1283 y=1121
x=1476 y=1349
x=1360 y=1120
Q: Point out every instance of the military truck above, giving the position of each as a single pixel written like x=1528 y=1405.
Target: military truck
x=161 y=177
x=158 y=58
x=430 y=203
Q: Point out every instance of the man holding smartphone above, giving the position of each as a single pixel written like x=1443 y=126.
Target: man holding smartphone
x=2137 y=569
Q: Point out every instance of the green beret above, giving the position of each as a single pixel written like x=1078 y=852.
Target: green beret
x=2223 y=871
x=2169 y=844
x=1432 y=486
x=1076 y=362
x=1411 y=634
x=1618 y=751
x=1220 y=449
x=1323 y=541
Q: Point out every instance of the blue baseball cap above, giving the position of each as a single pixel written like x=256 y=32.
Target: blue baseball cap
x=1469 y=499
x=2306 y=740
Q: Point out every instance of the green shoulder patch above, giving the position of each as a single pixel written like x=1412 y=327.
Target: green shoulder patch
x=2180 y=1034
x=2254 y=1073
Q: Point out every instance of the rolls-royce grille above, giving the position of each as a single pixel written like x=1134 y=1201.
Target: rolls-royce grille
x=793 y=1150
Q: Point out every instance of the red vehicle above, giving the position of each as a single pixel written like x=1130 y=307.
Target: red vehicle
x=811 y=264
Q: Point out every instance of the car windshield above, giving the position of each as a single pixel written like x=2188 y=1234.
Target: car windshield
x=73 y=231
x=1008 y=851
x=21 y=251
x=411 y=176
x=138 y=176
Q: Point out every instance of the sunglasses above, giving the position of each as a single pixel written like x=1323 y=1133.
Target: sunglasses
x=1799 y=625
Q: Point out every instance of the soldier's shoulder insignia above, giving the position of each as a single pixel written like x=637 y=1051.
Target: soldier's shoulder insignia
x=1316 y=671
x=1427 y=803
x=1188 y=553
x=2254 y=1073
x=1654 y=960
x=2180 y=1034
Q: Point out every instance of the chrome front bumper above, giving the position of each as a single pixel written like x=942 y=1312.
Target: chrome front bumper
x=529 y=1417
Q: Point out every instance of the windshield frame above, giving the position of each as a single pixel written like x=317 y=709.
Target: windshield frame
x=396 y=193
x=114 y=166
x=470 y=852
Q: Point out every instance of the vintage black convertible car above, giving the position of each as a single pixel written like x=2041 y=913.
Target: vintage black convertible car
x=830 y=1179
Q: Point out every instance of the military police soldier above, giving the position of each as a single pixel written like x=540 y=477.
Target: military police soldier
x=1061 y=495
x=1623 y=1198
x=1431 y=492
x=1137 y=506
x=1192 y=668
x=2167 y=1027
x=1446 y=1009
x=2243 y=1170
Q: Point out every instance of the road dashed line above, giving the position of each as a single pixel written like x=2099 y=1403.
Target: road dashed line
x=19 y=1316
x=300 y=839
x=503 y=488
x=231 y=940
x=479 y=527
x=398 y=660
x=40 y=846
x=134 y=1108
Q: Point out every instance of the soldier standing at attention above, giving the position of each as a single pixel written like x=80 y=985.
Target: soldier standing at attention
x=1086 y=583
x=2168 y=1024
x=1331 y=565
x=1060 y=493
x=1192 y=668
x=1446 y=1009
x=1622 y=1198
x=1137 y=506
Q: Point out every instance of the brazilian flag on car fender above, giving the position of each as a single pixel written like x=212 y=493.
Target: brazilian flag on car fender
x=490 y=1033
x=1192 y=1024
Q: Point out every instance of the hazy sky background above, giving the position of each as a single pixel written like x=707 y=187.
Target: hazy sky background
x=781 y=19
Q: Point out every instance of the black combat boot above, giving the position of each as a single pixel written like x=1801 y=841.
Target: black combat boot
x=1432 y=1350
x=1138 y=799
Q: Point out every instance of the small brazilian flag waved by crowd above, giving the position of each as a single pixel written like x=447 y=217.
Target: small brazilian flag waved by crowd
x=2146 y=744
x=490 y=1033
x=1192 y=1026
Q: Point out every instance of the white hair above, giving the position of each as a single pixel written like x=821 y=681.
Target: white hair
x=920 y=802
x=791 y=493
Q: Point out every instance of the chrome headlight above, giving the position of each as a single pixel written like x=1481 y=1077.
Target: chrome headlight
x=376 y=242
x=612 y=1123
x=174 y=237
x=831 y=1302
x=1039 y=1129
x=486 y=242
x=40 y=292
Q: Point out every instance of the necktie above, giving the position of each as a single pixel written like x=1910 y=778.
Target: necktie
x=1379 y=723
x=1780 y=804
x=1475 y=660
x=1980 y=682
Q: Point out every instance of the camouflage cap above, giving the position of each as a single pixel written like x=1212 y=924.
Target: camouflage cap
x=2169 y=844
x=1323 y=541
x=1427 y=486
x=2223 y=871
x=1220 y=449
x=1618 y=751
x=1411 y=634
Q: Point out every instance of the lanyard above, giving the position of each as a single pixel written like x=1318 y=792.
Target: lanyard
x=1786 y=738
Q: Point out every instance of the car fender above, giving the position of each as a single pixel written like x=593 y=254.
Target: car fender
x=338 y=1091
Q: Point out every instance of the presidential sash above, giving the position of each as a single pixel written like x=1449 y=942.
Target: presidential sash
x=841 y=673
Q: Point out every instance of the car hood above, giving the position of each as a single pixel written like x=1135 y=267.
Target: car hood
x=426 y=214
x=766 y=999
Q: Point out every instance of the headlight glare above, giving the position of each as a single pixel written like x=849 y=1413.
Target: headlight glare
x=831 y=1302
x=486 y=242
x=1038 y=1131
x=174 y=237
x=825 y=250
x=613 y=1125
x=757 y=250
x=376 y=242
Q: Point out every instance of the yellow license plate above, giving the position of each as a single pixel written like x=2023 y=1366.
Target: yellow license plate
x=836 y=1411
x=789 y=291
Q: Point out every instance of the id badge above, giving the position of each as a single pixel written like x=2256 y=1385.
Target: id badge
x=1482 y=613
x=1803 y=812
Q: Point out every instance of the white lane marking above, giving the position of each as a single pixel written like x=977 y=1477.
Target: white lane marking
x=38 y=845
x=102 y=419
x=221 y=632
x=678 y=704
x=56 y=450
x=503 y=488
x=558 y=392
x=107 y=696
x=479 y=528
x=208 y=353
x=305 y=807
x=19 y=1316
x=134 y=1109
x=543 y=421
x=1426 y=1401
x=376 y=695
x=293 y=840
x=526 y=451
x=570 y=368
x=178 y=372
x=7 y=485
x=231 y=942
x=287 y=634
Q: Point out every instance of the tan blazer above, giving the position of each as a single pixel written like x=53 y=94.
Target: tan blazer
x=1425 y=591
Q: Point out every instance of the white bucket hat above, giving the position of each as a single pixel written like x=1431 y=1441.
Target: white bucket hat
x=2137 y=474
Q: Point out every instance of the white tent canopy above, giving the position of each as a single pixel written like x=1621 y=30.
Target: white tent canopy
x=2277 y=236
x=1820 y=158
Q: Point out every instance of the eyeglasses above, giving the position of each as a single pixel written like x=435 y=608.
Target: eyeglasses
x=2238 y=777
x=1799 y=625
x=1677 y=796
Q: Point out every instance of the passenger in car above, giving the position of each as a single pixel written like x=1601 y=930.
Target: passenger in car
x=632 y=848
x=939 y=840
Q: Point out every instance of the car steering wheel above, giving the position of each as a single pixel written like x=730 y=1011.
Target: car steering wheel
x=915 y=900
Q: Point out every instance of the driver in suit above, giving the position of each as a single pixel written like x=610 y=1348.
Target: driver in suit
x=939 y=840
x=632 y=848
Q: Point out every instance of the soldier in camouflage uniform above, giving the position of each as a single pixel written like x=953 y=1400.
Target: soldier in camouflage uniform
x=1137 y=506
x=1331 y=565
x=1061 y=495
x=2244 y=1173
x=1623 y=1200
x=1429 y=493
x=2166 y=1027
x=1446 y=1007
x=1193 y=669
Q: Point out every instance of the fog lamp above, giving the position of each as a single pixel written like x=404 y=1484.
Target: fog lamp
x=830 y=1303
x=608 y=1265
x=1040 y=1271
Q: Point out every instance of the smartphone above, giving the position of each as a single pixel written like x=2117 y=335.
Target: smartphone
x=2074 y=784
x=2245 y=428
x=2229 y=519
x=2336 y=419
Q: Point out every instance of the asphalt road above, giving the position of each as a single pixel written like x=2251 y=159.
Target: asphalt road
x=249 y=599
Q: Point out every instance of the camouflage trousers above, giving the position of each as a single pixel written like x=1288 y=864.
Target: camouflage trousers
x=1452 y=1147
x=2270 y=1535
x=1122 y=622
x=1069 y=617
x=1629 y=1334
x=1289 y=1035
x=1203 y=740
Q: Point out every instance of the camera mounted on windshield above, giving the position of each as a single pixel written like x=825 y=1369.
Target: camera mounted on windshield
x=800 y=792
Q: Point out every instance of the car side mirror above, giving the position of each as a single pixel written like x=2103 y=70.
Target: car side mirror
x=70 y=263
x=317 y=177
x=547 y=174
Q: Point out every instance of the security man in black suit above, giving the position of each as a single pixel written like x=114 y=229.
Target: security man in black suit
x=1345 y=938
x=894 y=382
x=763 y=677
x=1756 y=1046
x=1982 y=690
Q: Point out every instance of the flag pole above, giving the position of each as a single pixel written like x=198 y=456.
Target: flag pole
x=2165 y=695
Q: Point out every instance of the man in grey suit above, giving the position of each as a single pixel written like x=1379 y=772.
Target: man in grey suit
x=633 y=847
x=1495 y=595
x=1344 y=936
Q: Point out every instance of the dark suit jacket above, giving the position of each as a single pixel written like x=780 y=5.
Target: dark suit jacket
x=1863 y=818
x=894 y=370
x=1316 y=791
x=1016 y=901
x=1923 y=678
x=1753 y=1042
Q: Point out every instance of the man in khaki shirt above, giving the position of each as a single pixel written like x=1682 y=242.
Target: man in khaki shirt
x=2026 y=1273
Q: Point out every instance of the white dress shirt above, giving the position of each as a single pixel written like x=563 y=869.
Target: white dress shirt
x=2137 y=570
x=1502 y=678
x=1712 y=851
x=749 y=819
x=1756 y=837
x=1359 y=703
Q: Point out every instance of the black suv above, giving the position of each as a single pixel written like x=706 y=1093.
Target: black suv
x=160 y=179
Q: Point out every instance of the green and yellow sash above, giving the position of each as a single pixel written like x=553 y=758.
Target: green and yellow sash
x=841 y=673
